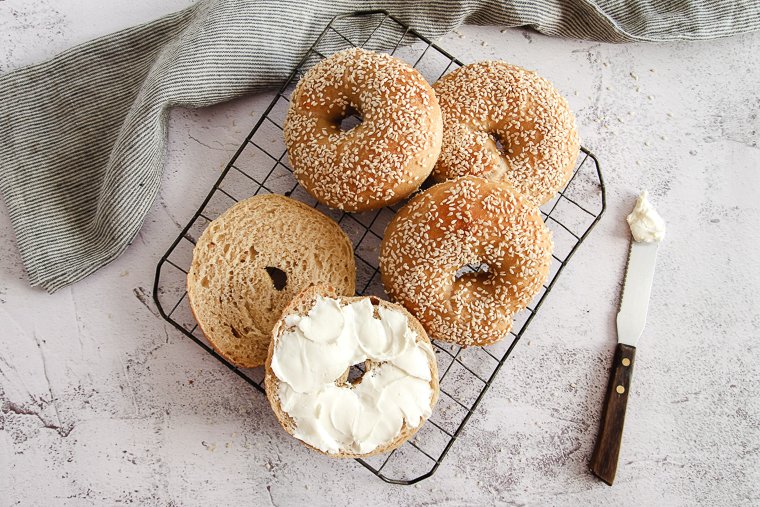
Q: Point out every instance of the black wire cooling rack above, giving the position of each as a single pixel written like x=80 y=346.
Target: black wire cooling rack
x=261 y=166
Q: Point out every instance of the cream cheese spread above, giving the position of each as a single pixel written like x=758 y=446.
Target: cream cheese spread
x=646 y=224
x=339 y=417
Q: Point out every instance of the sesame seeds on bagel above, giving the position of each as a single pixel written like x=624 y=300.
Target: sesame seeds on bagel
x=492 y=103
x=469 y=220
x=380 y=161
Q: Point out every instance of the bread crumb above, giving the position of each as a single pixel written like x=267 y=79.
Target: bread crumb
x=484 y=44
x=504 y=30
x=634 y=76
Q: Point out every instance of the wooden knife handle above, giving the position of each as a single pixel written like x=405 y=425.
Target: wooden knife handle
x=605 y=458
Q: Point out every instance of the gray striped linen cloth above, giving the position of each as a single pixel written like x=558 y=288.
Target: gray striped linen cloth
x=82 y=136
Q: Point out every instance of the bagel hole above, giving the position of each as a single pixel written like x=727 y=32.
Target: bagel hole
x=355 y=373
x=503 y=149
x=278 y=276
x=352 y=119
x=473 y=270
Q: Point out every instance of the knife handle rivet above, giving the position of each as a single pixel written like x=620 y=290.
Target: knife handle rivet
x=620 y=389
x=626 y=361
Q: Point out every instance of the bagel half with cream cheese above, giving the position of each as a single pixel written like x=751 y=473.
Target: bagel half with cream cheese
x=318 y=338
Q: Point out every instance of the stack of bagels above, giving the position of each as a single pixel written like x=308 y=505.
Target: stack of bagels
x=497 y=140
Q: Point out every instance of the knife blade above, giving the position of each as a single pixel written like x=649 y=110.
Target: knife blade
x=637 y=288
x=647 y=224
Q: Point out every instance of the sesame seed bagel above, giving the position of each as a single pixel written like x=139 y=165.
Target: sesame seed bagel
x=380 y=161
x=492 y=100
x=462 y=222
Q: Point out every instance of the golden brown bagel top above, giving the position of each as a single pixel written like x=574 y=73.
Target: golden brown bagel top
x=492 y=100
x=378 y=162
x=465 y=221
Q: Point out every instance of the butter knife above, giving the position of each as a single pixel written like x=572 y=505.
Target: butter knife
x=647 y=228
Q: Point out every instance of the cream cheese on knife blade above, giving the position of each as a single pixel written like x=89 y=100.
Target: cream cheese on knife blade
x=648 y=229
x=646 y=224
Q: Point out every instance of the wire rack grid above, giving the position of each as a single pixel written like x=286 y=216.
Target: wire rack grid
x=261 y=166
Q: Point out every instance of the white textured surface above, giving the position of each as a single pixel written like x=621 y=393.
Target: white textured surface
x=103 y=403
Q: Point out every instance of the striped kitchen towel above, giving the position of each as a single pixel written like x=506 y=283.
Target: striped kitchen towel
x=82 y=136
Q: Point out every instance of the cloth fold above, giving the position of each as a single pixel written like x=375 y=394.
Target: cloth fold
x=82 y=136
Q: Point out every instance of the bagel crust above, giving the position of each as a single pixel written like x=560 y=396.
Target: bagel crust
x=492 y=101
x=466 y=221
x=380 y=161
